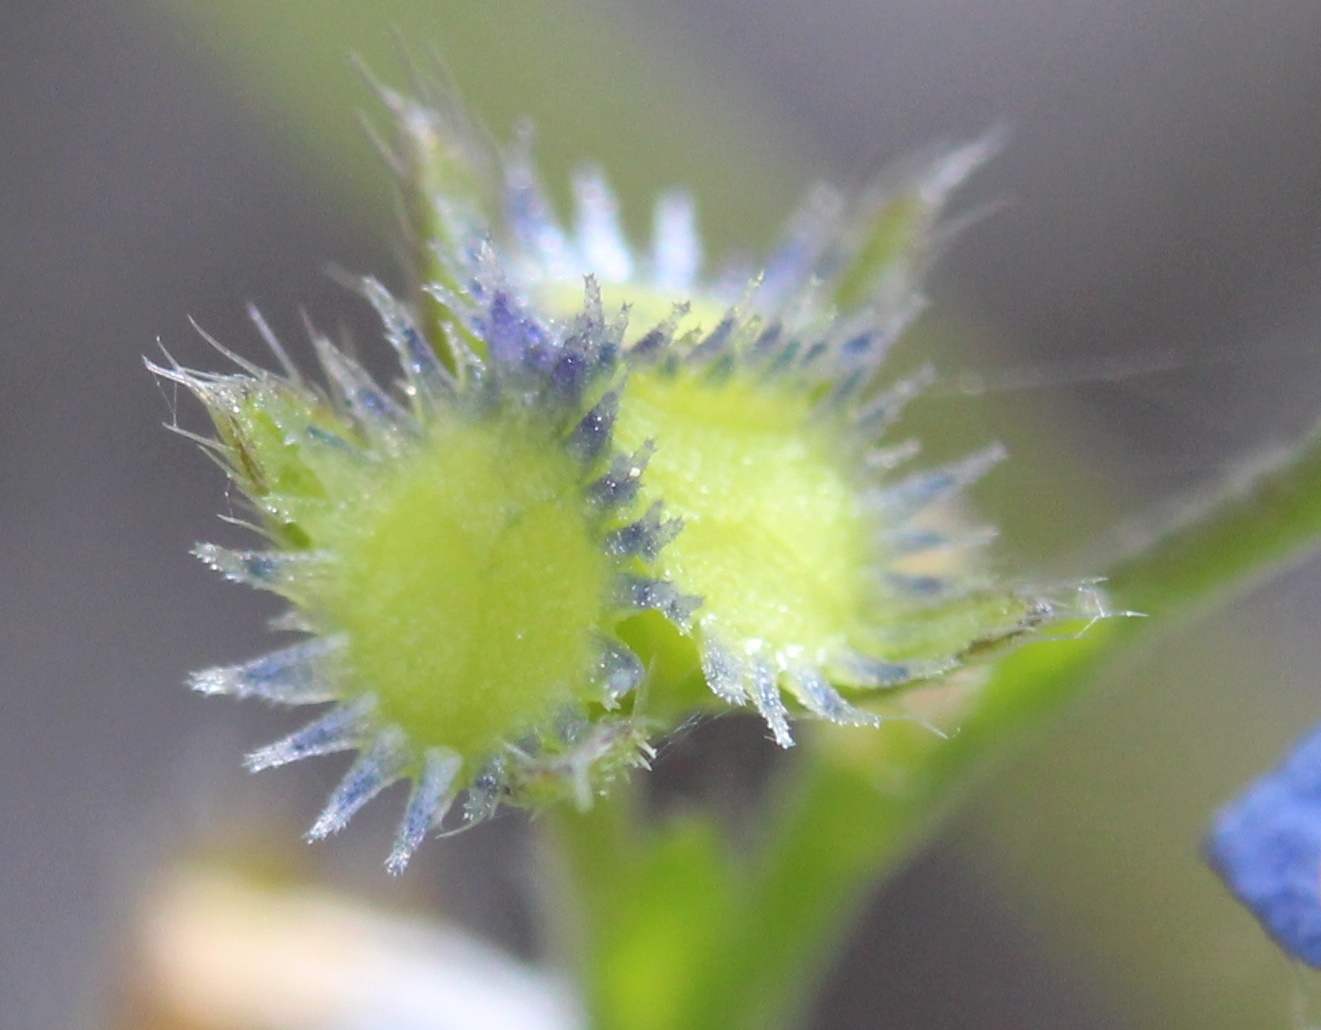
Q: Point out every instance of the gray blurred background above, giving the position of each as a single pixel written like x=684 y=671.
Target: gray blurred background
x=1142 y=310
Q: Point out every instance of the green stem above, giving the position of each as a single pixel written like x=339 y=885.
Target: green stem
x=1263 y=516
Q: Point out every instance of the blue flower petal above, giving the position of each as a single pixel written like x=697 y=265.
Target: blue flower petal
x=1266 y=846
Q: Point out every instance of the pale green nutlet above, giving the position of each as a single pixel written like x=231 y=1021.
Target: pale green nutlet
x=469 y=550
x=461 y=553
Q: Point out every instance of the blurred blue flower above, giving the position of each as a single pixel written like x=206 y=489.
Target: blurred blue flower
x=1266 y=846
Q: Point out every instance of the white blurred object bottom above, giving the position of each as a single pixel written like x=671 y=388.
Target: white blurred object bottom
x=223 y=954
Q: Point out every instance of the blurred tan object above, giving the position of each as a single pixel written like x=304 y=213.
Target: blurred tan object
x=220 y=953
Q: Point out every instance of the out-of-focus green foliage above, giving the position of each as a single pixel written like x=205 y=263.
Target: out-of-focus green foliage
x=600 y=81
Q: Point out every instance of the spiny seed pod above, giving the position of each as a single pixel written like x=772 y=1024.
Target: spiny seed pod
x=595 y=461
x=763 y=395
x=460 y=550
